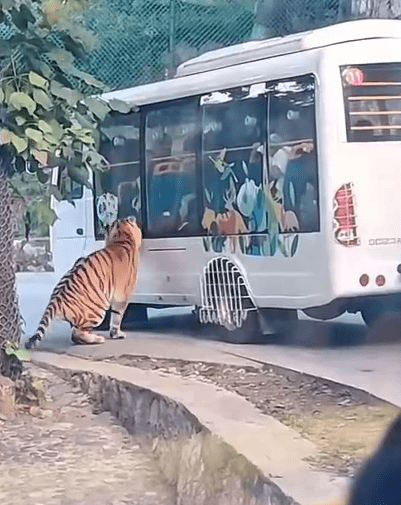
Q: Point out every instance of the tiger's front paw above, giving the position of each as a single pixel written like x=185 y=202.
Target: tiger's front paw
x=117 y=333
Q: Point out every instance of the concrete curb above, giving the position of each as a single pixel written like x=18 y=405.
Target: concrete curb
x=211 y=444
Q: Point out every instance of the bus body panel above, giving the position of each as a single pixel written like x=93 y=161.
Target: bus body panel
x=323 y=269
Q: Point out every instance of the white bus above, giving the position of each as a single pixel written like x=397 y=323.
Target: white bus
x=266 y=178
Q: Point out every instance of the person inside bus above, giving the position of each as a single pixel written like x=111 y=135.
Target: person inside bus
x=300 y=187
x=278 y=163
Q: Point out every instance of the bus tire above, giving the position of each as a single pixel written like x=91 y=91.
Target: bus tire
x=135 y=313
x=250 y=331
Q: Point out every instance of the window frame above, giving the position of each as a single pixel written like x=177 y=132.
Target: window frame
x=99 y=236
x=145 y=110
x=352 y=135
x=315 y=141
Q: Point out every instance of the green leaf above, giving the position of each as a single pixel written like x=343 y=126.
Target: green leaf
x=20 y=120
x=44 y=214
x=294 y=245
x=7 y=4
x=57 y=129
x=45 y=127
x=83 y=121
x=53 y=190
x=21 y=100
x=120 y=106
x=51 y=139
x=19 y=144
x=80 y=175
x=37 y=80
x=19 y=164
x=1 y=96
x=17 y=351
x=43 y=99
x=33 y=134
x=42 y=177
x=99 y=108
x=71 y=96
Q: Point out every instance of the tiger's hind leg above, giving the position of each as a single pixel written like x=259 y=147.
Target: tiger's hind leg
x=85 y=337
x=117 y=313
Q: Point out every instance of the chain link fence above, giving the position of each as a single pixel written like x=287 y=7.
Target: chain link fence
x=142 y=41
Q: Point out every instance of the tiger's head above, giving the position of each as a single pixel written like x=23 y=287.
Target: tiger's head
x=125 y=230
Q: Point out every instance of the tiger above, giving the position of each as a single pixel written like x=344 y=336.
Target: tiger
x=104 y=279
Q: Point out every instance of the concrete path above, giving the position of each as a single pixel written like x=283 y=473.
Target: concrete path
x=275 y=449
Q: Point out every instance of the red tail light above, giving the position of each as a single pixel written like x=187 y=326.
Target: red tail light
x=345 y=216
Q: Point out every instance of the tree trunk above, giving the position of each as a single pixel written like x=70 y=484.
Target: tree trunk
x=10 y=318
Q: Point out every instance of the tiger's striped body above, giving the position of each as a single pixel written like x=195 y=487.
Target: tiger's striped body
x=95 y=283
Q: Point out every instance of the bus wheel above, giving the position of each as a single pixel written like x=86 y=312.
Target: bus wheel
x=250 y=331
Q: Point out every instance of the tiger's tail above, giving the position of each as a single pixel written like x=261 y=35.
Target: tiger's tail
x=49 y=315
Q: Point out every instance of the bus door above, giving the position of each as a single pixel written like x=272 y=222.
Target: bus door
x=70 y=231
x=172 y=202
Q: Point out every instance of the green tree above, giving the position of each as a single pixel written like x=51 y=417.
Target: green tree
x=48 y=117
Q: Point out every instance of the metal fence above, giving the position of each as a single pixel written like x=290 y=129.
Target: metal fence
x=143 y=41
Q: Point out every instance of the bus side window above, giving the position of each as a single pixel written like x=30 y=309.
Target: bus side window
x=234 y=123
x=172 y=133
x=65 y=183
x=117 y=190
x=292 y=149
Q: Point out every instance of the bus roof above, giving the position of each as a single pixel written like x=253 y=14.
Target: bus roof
x=261 y=49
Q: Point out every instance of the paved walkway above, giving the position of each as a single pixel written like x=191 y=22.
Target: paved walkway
x=275 y=449
x=66 y=455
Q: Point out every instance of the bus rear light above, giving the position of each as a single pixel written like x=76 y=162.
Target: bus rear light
x=380 y=280
x=364 y=280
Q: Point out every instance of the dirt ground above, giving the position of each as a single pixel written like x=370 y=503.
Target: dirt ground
x=344 y=424
x=60 y=452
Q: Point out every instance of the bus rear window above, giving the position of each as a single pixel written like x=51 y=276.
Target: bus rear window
x=372 y=95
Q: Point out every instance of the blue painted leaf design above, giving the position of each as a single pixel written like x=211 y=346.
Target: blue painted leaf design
x=226 y=173
x=292 y=194
x=282 y=248
x=294 y=245
x=273 y=245
x=208 y=196
x=242 y=244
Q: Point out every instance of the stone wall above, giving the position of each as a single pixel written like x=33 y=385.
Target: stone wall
x=204 y=469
